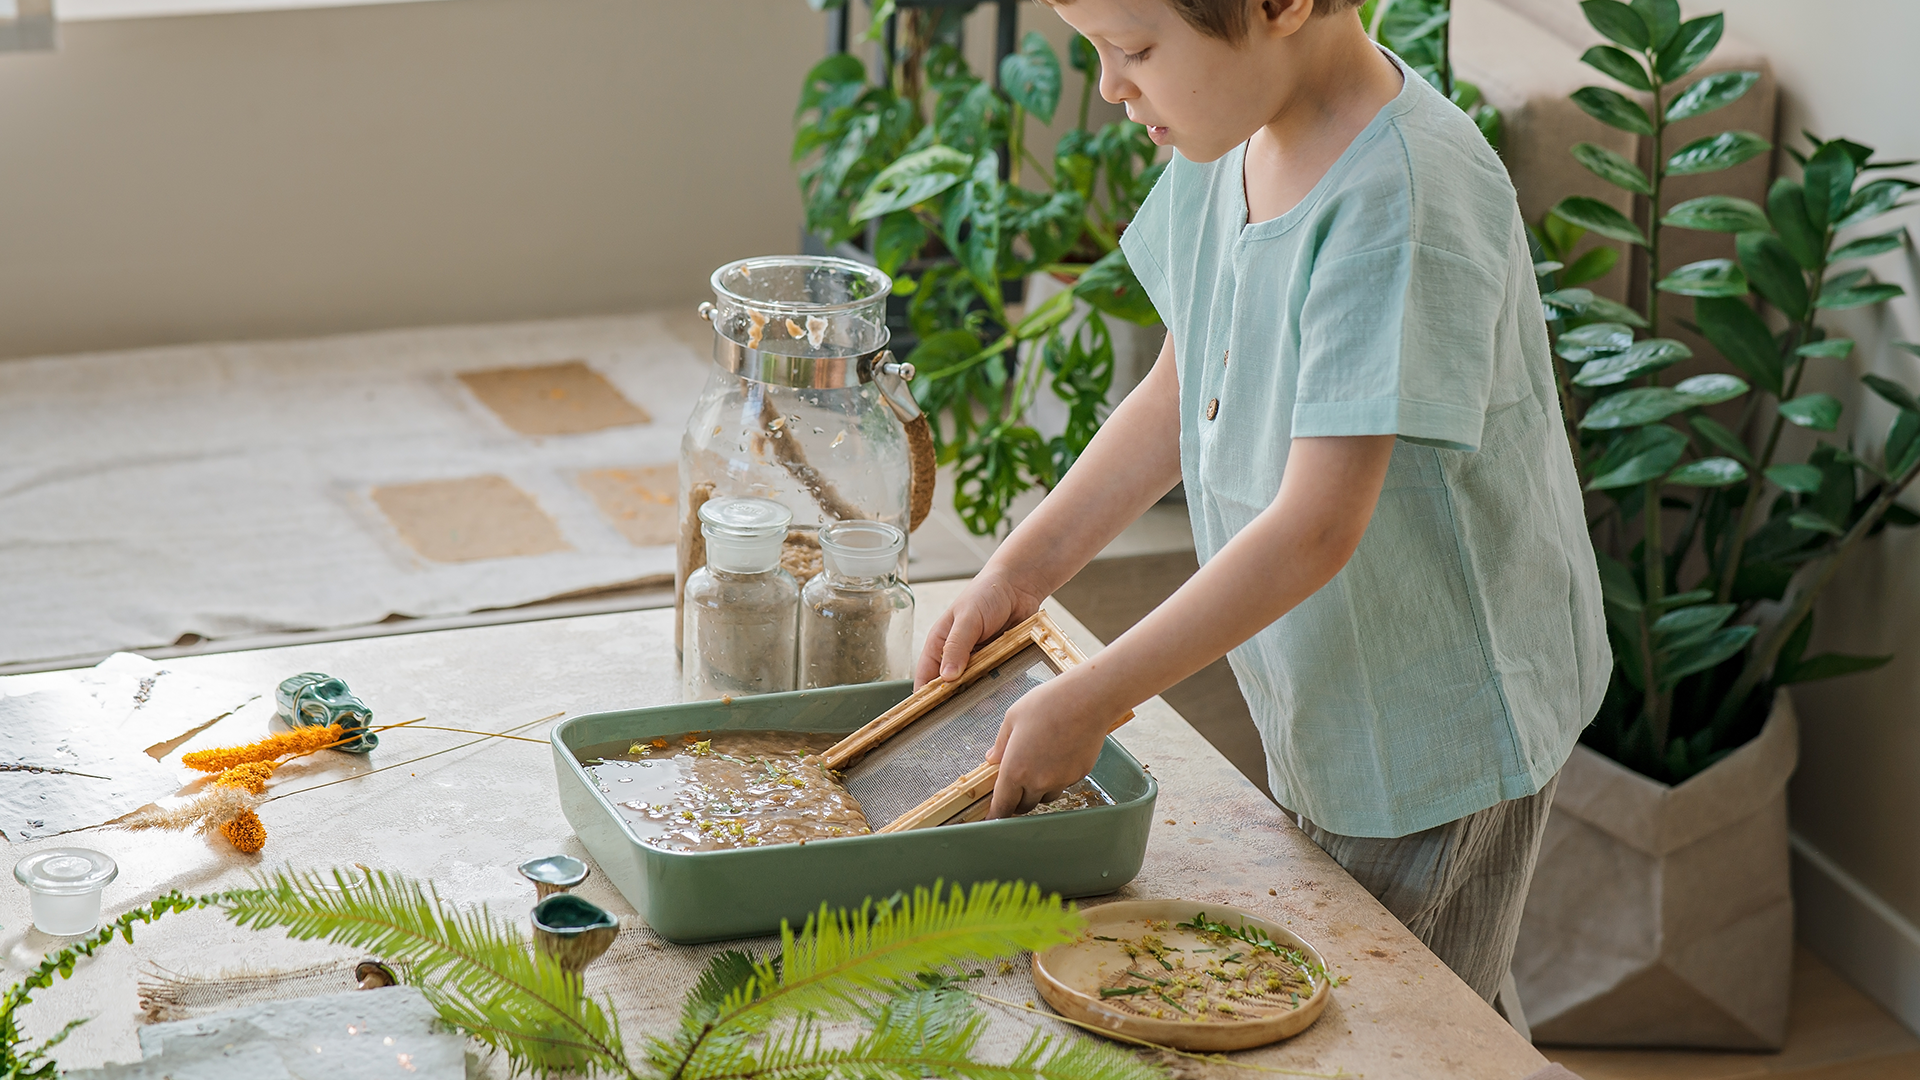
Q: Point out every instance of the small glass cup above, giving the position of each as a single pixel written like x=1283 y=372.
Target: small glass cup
x=65 y=884
x=742 y=608
x=856 y=616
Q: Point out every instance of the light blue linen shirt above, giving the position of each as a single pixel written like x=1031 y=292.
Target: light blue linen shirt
x=1454 y=660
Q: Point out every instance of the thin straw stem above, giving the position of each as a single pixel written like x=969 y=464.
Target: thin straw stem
x=358 y=734
x=488 y=734
x=423 y=757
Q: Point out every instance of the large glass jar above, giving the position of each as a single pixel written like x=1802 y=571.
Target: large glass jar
x=804 y=406
x=741 y=608
x=856 y=617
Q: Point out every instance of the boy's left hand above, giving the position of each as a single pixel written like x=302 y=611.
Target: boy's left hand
x=1050 y=741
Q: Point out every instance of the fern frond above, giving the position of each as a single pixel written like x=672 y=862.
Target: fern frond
x=1046 y=1057
x=939 y=1035
x=730 y=973
x=705 y=1053
x=482 y=977
x=912 y=1044
x=478 y=971
x=933 y=1004
x=798 y=1053
x=59 y=1037
x=21 y=1062
x=840 y=960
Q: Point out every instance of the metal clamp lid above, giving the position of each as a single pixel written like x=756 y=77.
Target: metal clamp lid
x=808 y=372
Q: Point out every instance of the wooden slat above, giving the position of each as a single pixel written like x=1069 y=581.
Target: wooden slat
x=942 y=806
x=921 y=701
x=957 y=798
x=948 y=801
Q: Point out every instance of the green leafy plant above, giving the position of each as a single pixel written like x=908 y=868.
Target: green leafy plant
x=1420 y=32
x=1696 y=662
x=747 y=1018
x=18 y=1060
x=932 y=169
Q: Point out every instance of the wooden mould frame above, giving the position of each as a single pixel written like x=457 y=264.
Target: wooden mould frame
x=969 y=791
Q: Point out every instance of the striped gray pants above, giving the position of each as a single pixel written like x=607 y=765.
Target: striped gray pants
x=1460 y=887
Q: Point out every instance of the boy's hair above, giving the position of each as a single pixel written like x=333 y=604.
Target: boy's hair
x=1227 y=19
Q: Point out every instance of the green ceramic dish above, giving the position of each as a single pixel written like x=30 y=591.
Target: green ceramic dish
x=714 y=895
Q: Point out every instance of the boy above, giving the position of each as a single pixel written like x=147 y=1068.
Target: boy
x=1357 y=391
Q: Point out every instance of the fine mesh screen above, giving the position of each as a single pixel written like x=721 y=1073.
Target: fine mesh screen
x=940 y=747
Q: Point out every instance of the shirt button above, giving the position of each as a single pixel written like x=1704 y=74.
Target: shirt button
x=1213 y=408
x=1225 y=356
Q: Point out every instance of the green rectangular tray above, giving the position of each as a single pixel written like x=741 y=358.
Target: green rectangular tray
x=714 y=895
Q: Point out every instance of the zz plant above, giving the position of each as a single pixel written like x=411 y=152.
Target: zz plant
x=933 y=169
x=1707 y=620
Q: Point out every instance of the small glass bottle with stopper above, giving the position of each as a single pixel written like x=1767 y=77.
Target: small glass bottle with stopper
x=856 y=617
x=741 y=608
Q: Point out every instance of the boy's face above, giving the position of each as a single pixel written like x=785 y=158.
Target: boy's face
x=1193 y=91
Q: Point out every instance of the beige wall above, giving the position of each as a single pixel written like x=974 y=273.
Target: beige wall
x=1846 y=69
x=291 y=173
x=306 y=172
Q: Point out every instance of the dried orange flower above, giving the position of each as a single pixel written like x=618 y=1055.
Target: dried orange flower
x=286 y=744
x=247 y=832
x=250 y=777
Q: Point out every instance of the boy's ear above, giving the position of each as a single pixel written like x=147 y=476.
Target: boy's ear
x=1281 y=18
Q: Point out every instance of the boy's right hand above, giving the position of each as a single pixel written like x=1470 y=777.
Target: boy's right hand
x=988 y=605
x=1131 y=463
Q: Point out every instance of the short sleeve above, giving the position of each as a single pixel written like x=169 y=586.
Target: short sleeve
x=1399 y=340
x=1147 y=239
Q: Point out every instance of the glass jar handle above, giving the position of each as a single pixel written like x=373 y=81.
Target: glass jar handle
x=891 y=377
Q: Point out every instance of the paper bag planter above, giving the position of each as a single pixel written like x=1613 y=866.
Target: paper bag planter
x=1663 y=915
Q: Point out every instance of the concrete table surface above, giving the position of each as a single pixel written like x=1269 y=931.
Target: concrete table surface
x=465 y=819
